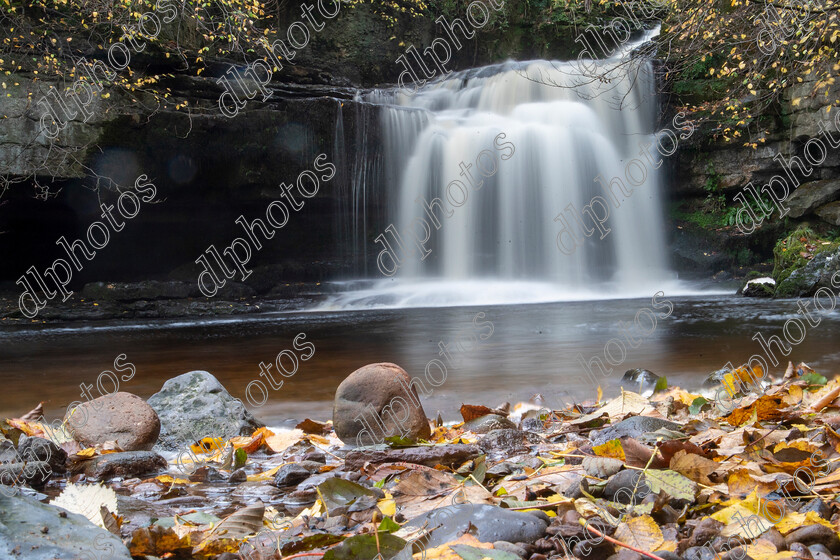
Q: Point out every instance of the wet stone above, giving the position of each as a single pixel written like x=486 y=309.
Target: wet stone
x=125 y=465
x=488 y=423
x=634 y=427
x=508 y=441
x=815 y=534
x=624 y=487
x=290 y=475
x=491 y=523
x=591 y=549
x=817 y=506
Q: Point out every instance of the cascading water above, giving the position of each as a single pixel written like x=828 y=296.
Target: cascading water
x=493 y=162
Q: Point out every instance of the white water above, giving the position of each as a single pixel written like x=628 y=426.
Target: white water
x=499 y=245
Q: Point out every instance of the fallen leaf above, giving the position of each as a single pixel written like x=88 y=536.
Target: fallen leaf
x=87 y=500
x=641 y=532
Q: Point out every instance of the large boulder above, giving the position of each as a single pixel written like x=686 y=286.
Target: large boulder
x=35 y=531
x=806 y=198
x=121 y=417
x=816 y=274
x=377 y=401
x=194 y=406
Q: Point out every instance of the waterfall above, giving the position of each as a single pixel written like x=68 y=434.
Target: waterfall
x=493 y=233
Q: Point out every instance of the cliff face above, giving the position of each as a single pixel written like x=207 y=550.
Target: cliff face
x=706 y=171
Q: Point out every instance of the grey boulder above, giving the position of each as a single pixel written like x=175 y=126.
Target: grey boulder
x=195 y=405
x=36 y=531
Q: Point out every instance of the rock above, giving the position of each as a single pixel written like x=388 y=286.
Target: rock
x=705 y=531
x=620 y=487
x=808 y=196
x=135 y=291
x=195 y=405
x=379 y=394
x=239 y=475
x=634 y=427
x=639 y=380
x=510 y=547
x=42 y=449
x=121 y=417
x=811 y=277
x=207 y=474
x=699 y=553
x=126 y=464
x=508 y=441
x=290 y=475
x=814 y=534
x=450 y=455
x=492 y=524
x=592 y=549
x=830 y=213
x=34 y=531
x=488 y=423
x=819 y=507
x=34 y=473
x=819 y=549
x=774 y=536
x=760 y=287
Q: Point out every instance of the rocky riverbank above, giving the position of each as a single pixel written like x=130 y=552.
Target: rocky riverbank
x=743 y=470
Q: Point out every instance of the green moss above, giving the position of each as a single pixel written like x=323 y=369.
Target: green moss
x=795 y=251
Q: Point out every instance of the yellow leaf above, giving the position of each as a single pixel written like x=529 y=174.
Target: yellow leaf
x=765 y=550
x=610 y=449
x=796 y=101
x=387 y=505
x=166 y=479
x=641 y=532
x=795 y=520
x=89 y=452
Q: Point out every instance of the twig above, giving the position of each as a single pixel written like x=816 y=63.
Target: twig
x=619 y=543
x=302 y=554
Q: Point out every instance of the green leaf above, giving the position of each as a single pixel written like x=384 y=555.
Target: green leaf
x=471 y=553
x=239 y=458
x=696 y=405
x=673 y=483
x=400 y=441
x=338 y=492
x=388 y=525
x=814 y=379
x=480 y=468
x=661 y=384
x=363 y=547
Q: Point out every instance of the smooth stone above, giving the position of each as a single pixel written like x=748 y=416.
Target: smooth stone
x=591 y=549
x=492 y=524
x=195 y=405
x=379 y=394
x=814 y=534
x=239 y=475
x=488 y=423
x=448 y=455
x=510 y=547
x=634 y=427
x=125 y=465
x=290 y=475
x=68 y=536
x=638 y=379
x=34 y=473
x=705 y=531
x=830 y=213
x=808 y=197
x=121 y=417
x=620 y=487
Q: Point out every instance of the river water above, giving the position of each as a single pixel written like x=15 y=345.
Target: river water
x=533 y=348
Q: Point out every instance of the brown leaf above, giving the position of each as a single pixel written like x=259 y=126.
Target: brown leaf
x=637 y=454
x=312 y=427
x=473 y=411
x=671 y=447
x=766 y=407
x=155 y=541
x=693 y=467
x=35 y=413
x=228 y=534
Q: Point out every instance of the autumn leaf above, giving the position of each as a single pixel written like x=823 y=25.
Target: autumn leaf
x=672 y=483
x=641 y=532
x=693 y=467
x=228 y=535
x=611 y=449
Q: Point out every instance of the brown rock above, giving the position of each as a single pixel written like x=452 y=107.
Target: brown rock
x=121 y=417
x=127 y=464
x=450 y=455
x=377 y=401
x=814 y=534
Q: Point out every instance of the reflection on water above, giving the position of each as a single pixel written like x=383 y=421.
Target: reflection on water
x=533 y=349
